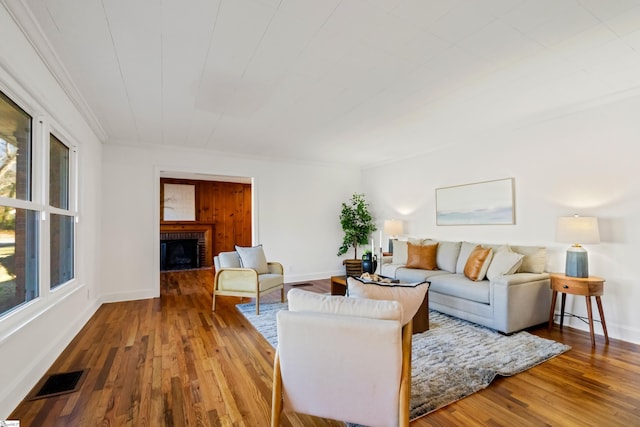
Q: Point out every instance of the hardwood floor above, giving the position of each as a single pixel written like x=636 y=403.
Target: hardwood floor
x=170 y=361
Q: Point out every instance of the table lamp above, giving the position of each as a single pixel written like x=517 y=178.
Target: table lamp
x=578 y=230
x=392 y=228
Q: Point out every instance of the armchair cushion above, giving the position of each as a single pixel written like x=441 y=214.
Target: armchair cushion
x=228 y=260
x=300 y=300
x=253 y=257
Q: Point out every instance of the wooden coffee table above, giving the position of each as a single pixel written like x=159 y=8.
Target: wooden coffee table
x=420 y=320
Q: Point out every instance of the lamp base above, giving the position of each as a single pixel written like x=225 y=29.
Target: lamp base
x=577 y=264
x=391 y=240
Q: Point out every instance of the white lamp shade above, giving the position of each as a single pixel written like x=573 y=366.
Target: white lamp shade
x=577 y=230
x=393 y=227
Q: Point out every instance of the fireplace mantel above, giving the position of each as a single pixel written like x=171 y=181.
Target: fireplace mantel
x=207 y=229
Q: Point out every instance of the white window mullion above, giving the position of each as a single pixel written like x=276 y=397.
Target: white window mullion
x=41 y=194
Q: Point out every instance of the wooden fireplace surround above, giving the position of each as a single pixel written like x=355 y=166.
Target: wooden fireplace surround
x=207 y=229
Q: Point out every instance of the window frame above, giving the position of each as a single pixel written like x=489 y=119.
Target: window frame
x=43 y=124
x=52 y=129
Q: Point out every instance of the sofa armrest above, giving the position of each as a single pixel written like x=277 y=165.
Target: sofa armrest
x=519 y=278
x=275 y=268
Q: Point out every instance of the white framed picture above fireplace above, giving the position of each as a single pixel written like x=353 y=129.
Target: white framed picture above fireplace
x=179 y=202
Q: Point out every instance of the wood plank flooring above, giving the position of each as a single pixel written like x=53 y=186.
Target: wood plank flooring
x=170 y=361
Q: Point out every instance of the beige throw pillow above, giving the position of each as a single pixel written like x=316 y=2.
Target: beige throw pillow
x=504 y=262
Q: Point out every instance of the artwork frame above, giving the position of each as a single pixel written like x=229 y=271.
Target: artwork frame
x=179 y=202
x=479 y=203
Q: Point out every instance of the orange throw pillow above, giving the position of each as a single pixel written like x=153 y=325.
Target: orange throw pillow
x=422 y=257
x=478 y=263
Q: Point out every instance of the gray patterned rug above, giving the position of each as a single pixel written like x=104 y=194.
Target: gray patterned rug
x=452 y=360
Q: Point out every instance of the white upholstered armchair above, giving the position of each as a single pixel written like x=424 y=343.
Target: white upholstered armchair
x=245 y=272
x=347 y=359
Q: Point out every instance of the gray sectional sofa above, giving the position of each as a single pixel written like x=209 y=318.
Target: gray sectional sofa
x=512 y=294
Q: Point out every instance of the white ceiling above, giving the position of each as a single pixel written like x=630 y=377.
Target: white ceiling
x=361 y=81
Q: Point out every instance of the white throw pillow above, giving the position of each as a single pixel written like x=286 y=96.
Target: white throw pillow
x=465 y=250
x=400 y=252
x=253 y=257
x=410 y=297
x=504 y=262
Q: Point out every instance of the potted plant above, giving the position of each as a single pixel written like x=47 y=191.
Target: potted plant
x=357 y=224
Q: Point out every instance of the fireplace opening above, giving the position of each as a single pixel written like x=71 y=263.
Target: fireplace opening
x=181 y=254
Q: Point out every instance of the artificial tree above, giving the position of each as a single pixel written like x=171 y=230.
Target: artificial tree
x=357 y=224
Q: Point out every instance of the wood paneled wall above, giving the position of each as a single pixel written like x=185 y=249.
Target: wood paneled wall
x=224 y=205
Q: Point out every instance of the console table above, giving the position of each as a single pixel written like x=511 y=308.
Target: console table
x=420 y=320
x=588 y=287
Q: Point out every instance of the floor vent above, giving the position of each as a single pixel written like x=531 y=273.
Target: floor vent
x=301 y=285
x=57 y=384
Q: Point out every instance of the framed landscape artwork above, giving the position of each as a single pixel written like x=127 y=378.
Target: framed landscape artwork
x=481 y=203
x=179 y=202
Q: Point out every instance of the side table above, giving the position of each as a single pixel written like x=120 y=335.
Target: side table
x=588 y=287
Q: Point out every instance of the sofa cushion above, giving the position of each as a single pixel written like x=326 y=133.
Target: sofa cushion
x=465 y=251
x=409 y=296
x=253 y=257
x=534 y=260
x=412 y=275
x=504 y=262
x=478 y=263
x=459 y=286
x=422 y=256
x=447 y=256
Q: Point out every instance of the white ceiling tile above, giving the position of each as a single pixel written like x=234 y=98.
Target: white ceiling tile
x=531 y=14
x=563 y=25
x=608 y=9
x=500 y=44
x=625 y=23
x=464 y=19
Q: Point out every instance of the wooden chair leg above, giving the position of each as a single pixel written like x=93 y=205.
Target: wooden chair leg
x=282 y=294
x=213 y=305
x=258 y=303
x=276 y=393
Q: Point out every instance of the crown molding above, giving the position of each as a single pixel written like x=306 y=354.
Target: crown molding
x=24 y=18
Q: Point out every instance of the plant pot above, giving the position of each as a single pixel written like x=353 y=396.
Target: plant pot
x=353 y=267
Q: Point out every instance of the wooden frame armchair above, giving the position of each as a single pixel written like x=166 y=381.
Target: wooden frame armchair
x=233 y=280
x=347 y=359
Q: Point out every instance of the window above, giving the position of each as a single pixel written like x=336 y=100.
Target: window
x=62 y=219
x=18 y=215
x=37 y=208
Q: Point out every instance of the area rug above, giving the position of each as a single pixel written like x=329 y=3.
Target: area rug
x=450 y=361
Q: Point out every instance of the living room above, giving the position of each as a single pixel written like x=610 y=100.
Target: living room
x=578 y=156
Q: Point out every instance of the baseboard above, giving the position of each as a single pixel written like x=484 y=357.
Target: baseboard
x=129 y=296
x=292 y=278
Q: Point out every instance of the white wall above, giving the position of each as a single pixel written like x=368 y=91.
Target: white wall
x=32 y=337
x=584 y=162
x=297 y=208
